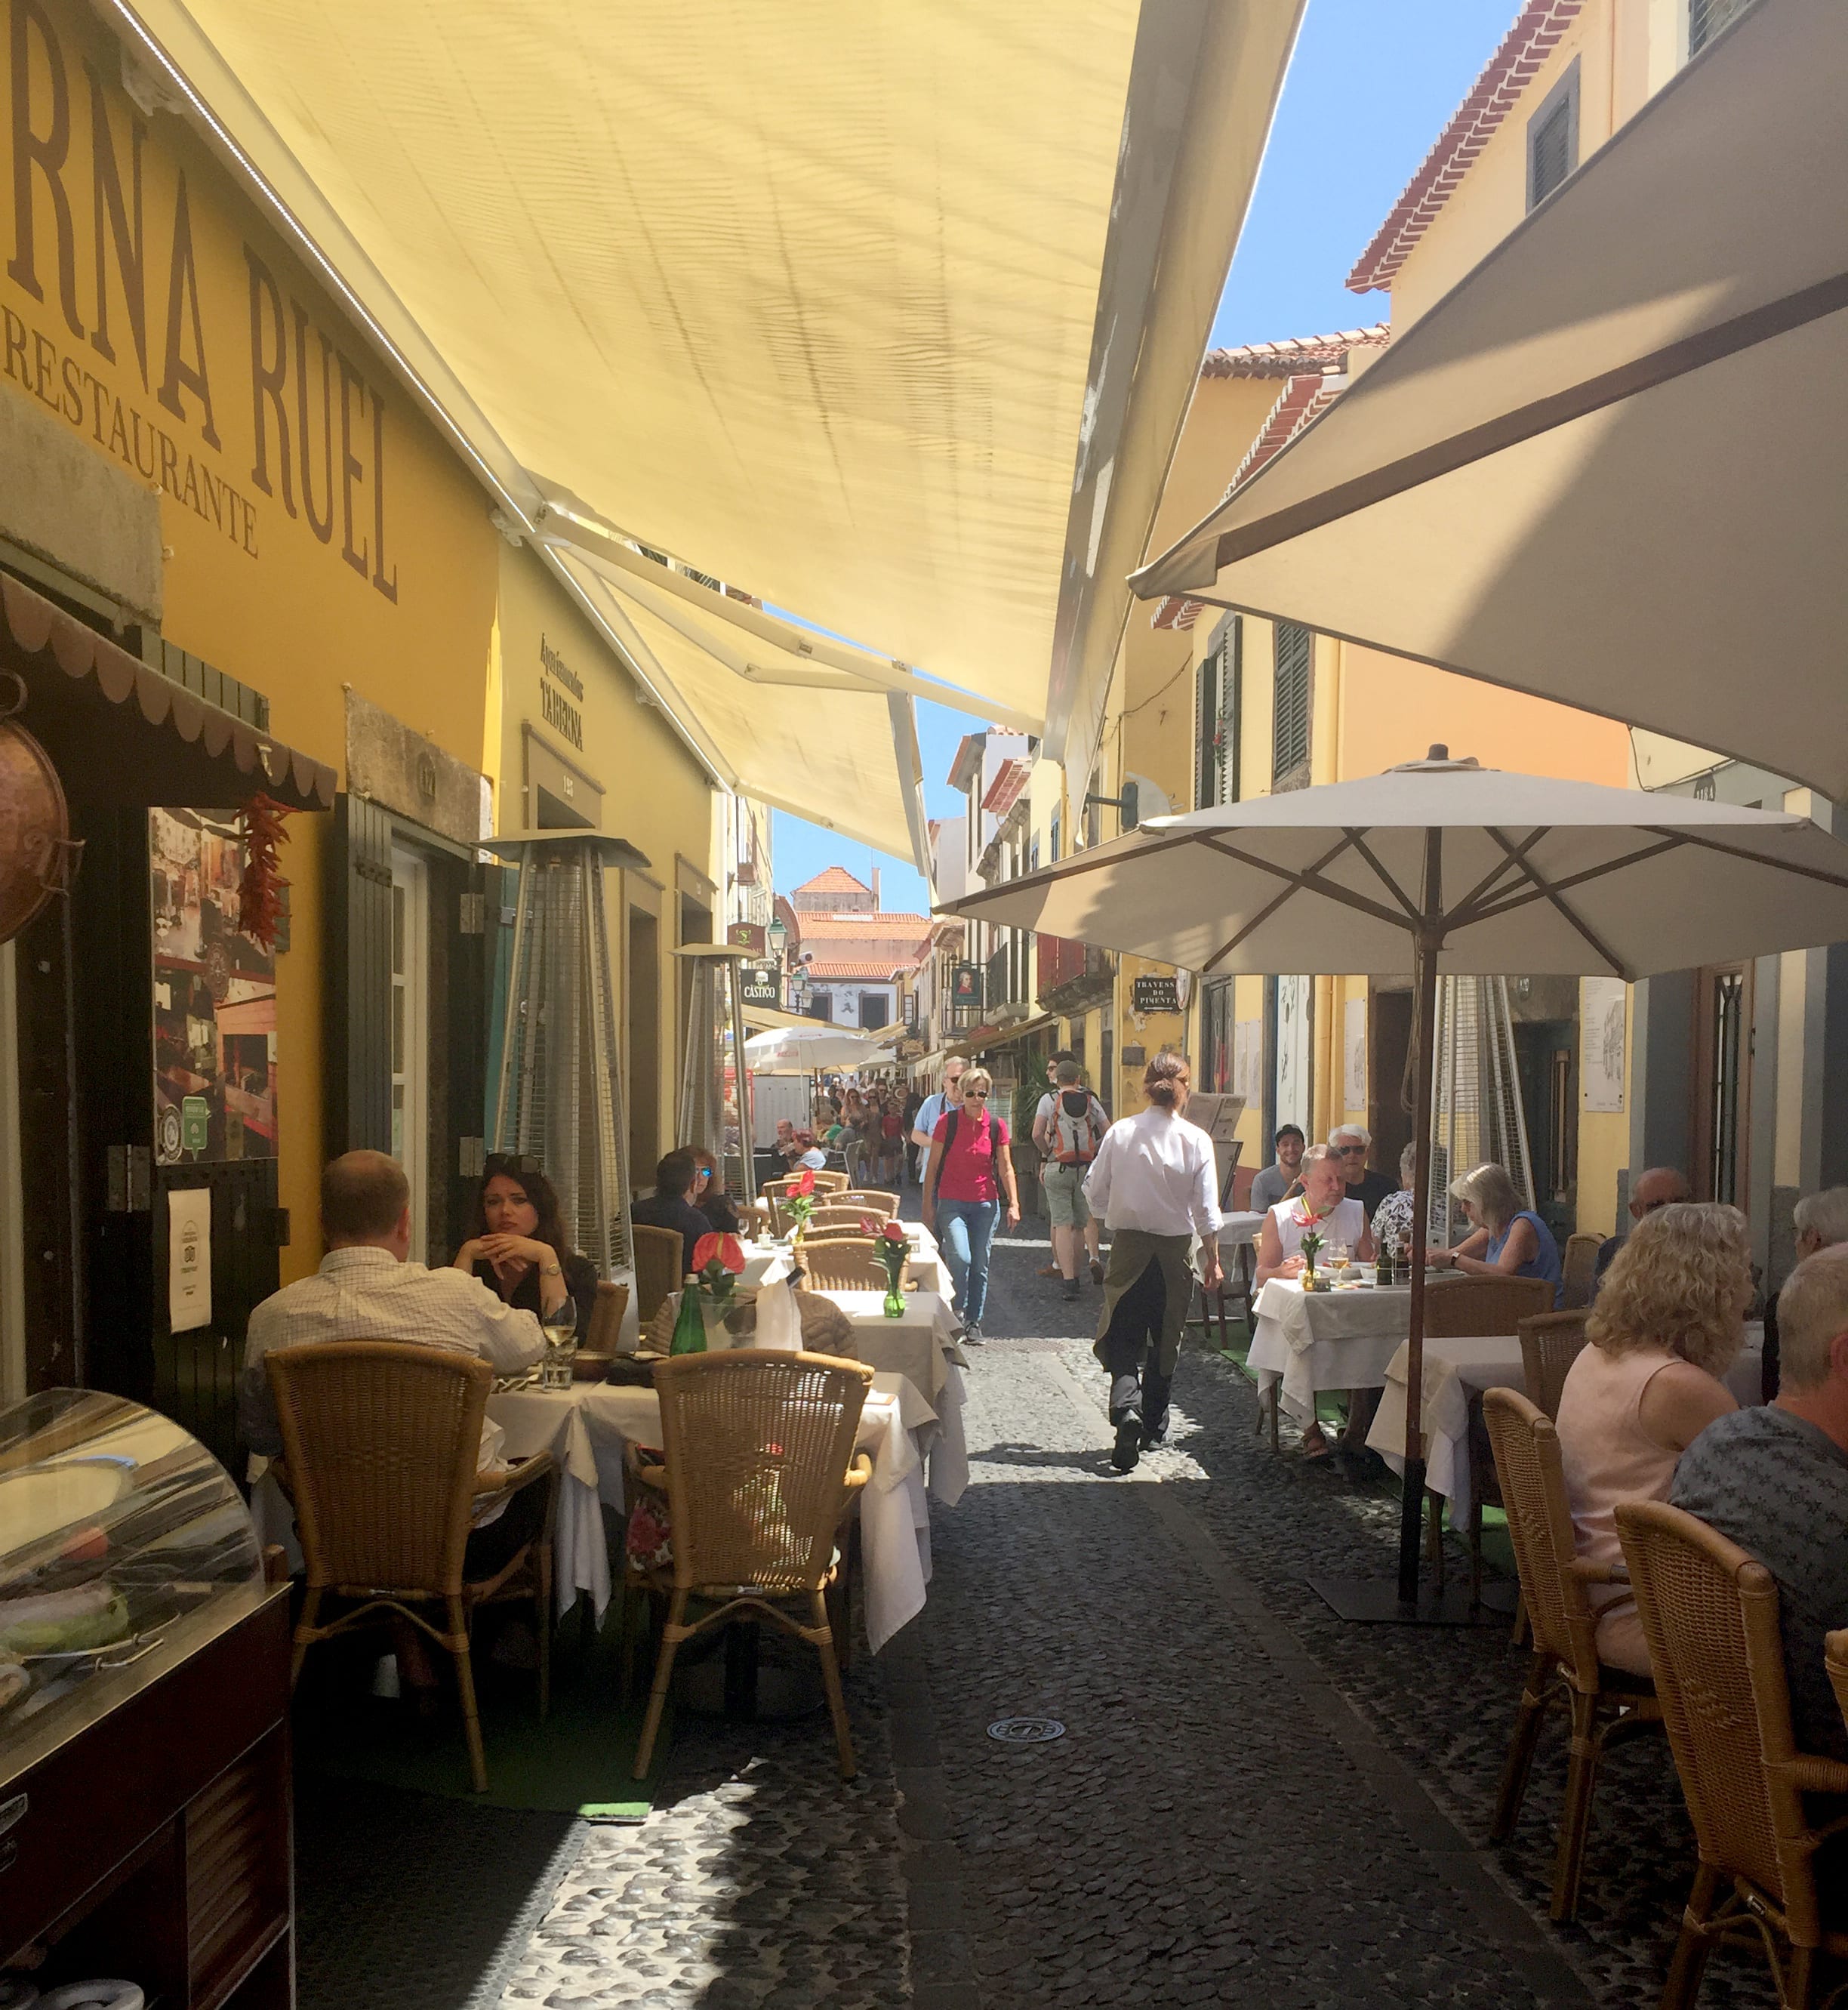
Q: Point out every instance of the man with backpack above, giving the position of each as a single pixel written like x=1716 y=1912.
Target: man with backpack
x=1068 y=1127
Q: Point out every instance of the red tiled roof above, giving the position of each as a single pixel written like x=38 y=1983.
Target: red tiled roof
x=1010 y=780
x=835 y=928
x=878 y=967
x=1294 y=353
x=835 y=879
x=1177 y=610
x=1513 y=66
x=1300 y=399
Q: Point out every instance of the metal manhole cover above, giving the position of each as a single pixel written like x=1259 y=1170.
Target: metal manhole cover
x=1026 y=1730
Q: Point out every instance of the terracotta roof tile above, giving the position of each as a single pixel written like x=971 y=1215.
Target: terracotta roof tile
x=1177 y=610
x=1294 y=353
x=834 y=879
x=835 y=928
x=1513 y=66
x=1301 y=400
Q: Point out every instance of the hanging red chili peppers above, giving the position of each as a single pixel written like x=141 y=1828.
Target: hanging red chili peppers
x=260 y=897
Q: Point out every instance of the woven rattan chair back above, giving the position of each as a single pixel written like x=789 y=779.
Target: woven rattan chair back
x=773 y=1189
x=380 y=1440
x=1533 y=1483
x=659 y=1253
x=1550 y=1343
x=842 y=1264
x=1835 y=1657
x=1461 y=1307
x=1710 y=1615
x=870 y=1200
x=831 y=1183
x=1579 y=1271
x=757 y=1442
x=605 y=1328
x=839 y=1214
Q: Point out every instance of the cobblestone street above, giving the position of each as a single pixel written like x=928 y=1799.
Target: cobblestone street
x=1251 y=1801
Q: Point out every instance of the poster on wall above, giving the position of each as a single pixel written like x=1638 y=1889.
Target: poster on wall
x=188 y=1258
x=1295 y=998
x=1354 y=1050
x=1247 y=1061
x=215 y=999
x=1603 y=1003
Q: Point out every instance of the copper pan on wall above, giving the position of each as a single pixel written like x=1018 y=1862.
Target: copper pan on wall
x=38 y=857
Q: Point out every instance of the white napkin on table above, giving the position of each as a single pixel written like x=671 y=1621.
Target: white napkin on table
x=780 y=1324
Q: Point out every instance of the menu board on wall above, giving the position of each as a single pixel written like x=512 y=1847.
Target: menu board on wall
x=215 y=999
x=1603 y=1002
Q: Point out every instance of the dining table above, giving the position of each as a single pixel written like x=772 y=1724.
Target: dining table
x=769 y=1262
x=917 y=1446
x=1304 y=1342
x=1456 y=1373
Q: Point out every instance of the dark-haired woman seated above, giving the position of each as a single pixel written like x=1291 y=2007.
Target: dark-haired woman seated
x=709 y=1195
x=518 y=1236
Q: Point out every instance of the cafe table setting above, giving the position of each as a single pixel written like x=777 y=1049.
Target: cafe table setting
x=588 y=1426
x=1456 y=1371
x=770 y=1262
x=1342 y=1337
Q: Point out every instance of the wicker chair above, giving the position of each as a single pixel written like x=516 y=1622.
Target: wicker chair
x=831 y=1183
x=1464 y=1307
x=1710 y=1615
x=1550 y=1343
x=840 y=1214
x=660 y=1258
x=842 y=1264
x=605 y=1328
x=760 y=1472
x=380 y=1442
x=1604 y=1703
x=870 y=1200
x=1581 y=1270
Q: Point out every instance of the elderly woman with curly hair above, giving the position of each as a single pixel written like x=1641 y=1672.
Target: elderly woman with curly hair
x=1667 y=1324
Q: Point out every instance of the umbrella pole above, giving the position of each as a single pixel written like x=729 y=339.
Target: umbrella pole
x=1427 y=941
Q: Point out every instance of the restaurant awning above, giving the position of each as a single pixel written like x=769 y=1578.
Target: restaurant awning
x=889 y=316
x=121 y=735
x=1607 y=468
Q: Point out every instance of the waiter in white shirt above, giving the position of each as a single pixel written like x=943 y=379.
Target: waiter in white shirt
x=1153 y=1183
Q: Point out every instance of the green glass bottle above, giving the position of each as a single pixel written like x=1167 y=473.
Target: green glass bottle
x=689 y=1327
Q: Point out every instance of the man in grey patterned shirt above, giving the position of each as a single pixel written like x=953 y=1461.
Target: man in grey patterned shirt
x=1775 y=1480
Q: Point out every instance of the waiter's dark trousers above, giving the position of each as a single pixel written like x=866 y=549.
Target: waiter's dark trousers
x=1131 y=1351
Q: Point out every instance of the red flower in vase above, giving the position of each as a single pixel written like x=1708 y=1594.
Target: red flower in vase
x=724 y=1251
x=803 y=1187
x=894 y=1231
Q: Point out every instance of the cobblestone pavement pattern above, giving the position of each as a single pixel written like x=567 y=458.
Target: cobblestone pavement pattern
x=1252 y=1802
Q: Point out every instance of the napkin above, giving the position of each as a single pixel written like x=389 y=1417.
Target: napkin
x=780 y=1324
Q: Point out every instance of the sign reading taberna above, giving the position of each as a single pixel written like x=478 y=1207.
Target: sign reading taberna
x=759 y=984
x=1156 y=994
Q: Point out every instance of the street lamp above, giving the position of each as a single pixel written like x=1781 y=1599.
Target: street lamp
x=777 y=936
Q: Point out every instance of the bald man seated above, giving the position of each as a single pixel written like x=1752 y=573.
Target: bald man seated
x=1657 y=1188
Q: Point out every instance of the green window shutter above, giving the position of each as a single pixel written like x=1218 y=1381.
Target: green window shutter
x=1206 y=723
x=1289 y=722
x=359 y=1008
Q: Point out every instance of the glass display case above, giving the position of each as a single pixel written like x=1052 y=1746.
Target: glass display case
x=144 y=1827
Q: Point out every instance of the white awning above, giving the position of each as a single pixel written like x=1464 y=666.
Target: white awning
x=889 y=316
x=1607 y=468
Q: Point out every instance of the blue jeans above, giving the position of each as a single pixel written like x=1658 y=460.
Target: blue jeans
x=965 y=1229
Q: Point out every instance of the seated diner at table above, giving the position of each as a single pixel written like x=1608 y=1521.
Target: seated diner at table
x=1351 y=1143
x=1667 y=1324
x=1392 y=1218
x=670 y=1206
x=1323 y=1207
x=516 y=1241
x=709 y=1195
x=1505 y=1240
x=1658 y=1187
x=1278 y=1181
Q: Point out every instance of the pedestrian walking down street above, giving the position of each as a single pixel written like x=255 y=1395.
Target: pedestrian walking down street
x=1152 y=1182
x=967 y=1174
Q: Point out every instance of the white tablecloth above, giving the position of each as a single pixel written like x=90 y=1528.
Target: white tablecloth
x=1240 y=1227
x=1306 y=1341
x=768 y=1263
x=1456 y=1371
x=587 y=1427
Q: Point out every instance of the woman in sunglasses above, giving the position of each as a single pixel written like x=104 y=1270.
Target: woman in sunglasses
x=968 y=1173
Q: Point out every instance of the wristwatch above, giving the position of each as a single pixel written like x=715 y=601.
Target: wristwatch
x=551 y=1270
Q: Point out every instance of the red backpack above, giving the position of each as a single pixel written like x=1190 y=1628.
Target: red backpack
x=1074 y=1135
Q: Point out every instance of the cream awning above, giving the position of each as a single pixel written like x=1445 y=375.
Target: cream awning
x=1608 y=468
x=856 y=308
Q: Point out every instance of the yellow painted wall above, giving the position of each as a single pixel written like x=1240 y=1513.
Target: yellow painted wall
x=396 y=598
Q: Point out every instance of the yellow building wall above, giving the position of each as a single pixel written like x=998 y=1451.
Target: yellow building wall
x=188 y=373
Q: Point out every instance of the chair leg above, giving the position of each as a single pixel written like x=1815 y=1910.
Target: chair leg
x=1518 y=1637
x=303 y=1627
x=1692 y=1946
x=1520 y=1750
x=1575 y=1819
x=664 y=1674
x=831 y=1679
x=465 y=1681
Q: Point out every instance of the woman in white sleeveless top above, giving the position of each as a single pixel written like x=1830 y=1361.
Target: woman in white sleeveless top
x=1324 y=1206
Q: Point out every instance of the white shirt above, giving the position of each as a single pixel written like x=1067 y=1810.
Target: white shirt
x=1344 y=1222
x=1155 y=1172
x=367 y=1294
x=1044 y=1112
x=815 y=1158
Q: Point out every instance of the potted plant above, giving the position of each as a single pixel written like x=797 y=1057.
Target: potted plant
x=799 y=1200
x=1311 y=1248
x=893 y=1249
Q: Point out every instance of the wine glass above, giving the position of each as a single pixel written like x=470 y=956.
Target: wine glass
x=560 y=1327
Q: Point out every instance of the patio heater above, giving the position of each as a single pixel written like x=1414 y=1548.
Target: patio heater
x=558 y=1096
x=713 y=1055
x=1476 y=1114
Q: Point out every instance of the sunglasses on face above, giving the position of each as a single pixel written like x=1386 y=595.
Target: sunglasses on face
x=969 y=1094
x=1352 y=1151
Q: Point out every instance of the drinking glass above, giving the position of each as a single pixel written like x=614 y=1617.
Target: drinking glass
x=560 y=1326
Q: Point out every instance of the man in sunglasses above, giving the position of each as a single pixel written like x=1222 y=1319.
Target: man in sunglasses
x=1352 y=1144
x=1657 y=1188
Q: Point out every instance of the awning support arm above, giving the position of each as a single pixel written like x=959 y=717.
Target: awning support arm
x=1557 y=900
x=1758 y=858
x=1508 y=899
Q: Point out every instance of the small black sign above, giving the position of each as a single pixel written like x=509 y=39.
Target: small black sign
x=1156 y=994
x=759 y=984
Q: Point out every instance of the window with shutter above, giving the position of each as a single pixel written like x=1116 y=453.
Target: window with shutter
x=1289 y=717
x=1216 y=720
x=1706 y=18
x=1553 y=138
x=1206 y=725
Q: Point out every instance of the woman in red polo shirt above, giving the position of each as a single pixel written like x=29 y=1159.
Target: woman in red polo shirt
x=969 y=1173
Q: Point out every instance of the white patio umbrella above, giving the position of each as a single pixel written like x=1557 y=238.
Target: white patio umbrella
x=1456 y=870
x=802 y=1050
x=1606 y=467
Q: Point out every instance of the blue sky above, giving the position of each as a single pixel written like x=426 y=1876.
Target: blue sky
x=1369 y=90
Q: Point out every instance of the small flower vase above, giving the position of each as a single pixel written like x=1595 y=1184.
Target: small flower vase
x=894 y=1303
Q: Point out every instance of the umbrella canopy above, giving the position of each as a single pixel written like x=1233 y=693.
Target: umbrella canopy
x=1444 y=866
x=1538 y=876
x=1606 y=467
x=799 y=1049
